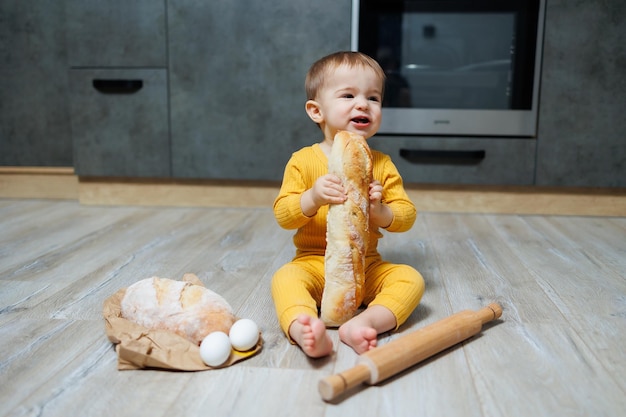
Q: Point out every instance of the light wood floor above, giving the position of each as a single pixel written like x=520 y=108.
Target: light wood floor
x=557 y=351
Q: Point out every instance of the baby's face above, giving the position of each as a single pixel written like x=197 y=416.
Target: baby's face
x=351 y=100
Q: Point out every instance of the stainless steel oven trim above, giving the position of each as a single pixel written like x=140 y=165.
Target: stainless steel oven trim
x=354 y=33
x=452 y=122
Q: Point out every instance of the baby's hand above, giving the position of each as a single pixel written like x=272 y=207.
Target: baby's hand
x=376 y=194
x=328 y=190
x=380 y=214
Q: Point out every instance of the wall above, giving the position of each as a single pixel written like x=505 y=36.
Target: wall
x=34 y=116
x=581 y=127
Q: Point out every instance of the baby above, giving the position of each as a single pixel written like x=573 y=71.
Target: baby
x=345 y=92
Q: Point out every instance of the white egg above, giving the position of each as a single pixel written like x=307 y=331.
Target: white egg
x=244 y=334
x=215 y=349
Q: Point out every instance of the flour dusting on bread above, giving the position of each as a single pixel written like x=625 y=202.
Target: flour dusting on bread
x=347 y=229
x=189 y=310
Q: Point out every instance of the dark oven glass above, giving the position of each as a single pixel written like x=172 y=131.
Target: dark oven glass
x=453 y=54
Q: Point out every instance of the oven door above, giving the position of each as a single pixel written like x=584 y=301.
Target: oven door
x=455 y=67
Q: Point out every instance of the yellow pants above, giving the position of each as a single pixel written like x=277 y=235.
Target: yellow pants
x=297 y=288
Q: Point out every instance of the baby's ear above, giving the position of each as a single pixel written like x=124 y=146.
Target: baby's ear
x=314 y=111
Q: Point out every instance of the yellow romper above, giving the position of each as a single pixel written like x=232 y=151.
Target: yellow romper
x=298 y=285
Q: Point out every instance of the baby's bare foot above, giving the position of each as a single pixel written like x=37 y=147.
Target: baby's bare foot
x=359 y=338
x=310 y=334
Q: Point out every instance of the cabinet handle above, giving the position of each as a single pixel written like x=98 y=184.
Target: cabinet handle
x=117 y=86
x=442 y=157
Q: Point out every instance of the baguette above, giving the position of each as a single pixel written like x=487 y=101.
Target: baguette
x=189 y=310
x=347 y=230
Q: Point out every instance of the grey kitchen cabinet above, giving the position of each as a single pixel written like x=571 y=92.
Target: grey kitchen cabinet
x=119 y=97
x=116 y=33
x=237 y=74
x=582 y=127
x=119 y=122
x=34 y=115
x=448 y=160
x=222 y=93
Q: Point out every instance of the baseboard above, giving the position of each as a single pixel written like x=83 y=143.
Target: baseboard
x=38 y=182
x=61 y=183
x=179 y=193
x=427 y=198
x=529 y=200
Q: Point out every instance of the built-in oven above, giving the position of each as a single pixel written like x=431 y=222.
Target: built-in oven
x=455 y=67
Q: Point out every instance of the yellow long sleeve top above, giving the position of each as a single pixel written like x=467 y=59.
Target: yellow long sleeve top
x=304 y=168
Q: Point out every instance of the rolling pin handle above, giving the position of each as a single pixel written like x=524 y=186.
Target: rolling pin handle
x=334 y=385
x=492 y=312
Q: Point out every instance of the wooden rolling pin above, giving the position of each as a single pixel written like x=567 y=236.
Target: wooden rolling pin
x=387 y=360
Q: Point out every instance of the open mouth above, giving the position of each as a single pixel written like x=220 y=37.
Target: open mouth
x=361 y=120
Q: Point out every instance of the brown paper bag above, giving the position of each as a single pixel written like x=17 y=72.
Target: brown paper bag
x=138 y=347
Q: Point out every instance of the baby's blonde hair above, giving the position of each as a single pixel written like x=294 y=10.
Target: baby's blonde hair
x=315 y=78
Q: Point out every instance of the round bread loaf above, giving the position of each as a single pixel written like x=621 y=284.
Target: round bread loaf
x=189 y=310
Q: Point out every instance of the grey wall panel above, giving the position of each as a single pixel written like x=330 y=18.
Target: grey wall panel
x=34 y=116
x=582 y=126
x=237 y=74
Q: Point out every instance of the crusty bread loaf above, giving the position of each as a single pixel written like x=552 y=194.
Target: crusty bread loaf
x=189 y=310
x=347 y=229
